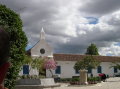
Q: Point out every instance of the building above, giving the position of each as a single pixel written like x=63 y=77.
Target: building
x=42 y=48
x=65 y=62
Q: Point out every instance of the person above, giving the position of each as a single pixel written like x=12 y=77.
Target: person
x=103 y=77
x=3 y=70
x=91 y=75
x=4 y=54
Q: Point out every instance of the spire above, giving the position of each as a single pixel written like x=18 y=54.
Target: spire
x=42 y=34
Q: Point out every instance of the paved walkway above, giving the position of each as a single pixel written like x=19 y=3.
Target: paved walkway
x=112 y=83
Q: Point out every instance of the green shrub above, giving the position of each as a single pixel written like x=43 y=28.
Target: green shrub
x=12 y=23
x=31 y=77
x=94 y=79
x=69 y=79
x=75 y=79
x=65 y=79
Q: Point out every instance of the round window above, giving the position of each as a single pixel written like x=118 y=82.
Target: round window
x=42 y=51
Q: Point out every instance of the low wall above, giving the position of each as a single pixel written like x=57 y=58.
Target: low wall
x=28 y=82
x=36 y=83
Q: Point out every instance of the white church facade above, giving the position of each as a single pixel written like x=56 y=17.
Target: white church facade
x=65 y=62
x=42 y=48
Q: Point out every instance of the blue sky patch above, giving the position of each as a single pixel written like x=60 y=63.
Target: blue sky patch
x=118 y=44
x=92 y=20
x=109 y=54
x=28 y=47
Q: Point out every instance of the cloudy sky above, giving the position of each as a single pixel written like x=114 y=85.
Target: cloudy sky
x=71 y=25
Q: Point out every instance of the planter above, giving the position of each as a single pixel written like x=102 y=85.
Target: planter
x=74 y=83
x=25 y=83
x=47 y=81
x=92 y=82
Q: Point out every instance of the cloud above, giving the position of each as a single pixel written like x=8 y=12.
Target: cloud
x=71 y=26
x=103 y=34
x=100 y=7
x=112 y=19
x=113 y=50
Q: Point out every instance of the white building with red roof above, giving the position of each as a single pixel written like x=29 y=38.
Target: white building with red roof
x=66 y=62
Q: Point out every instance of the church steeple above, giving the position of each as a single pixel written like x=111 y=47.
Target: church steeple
x=42 y=34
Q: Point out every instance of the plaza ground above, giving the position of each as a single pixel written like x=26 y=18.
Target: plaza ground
x=112 y=83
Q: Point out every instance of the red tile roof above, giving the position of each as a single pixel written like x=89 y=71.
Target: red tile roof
x=76 y=57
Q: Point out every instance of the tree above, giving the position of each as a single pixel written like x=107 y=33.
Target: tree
x=83 y=65
x=38 y=64
x=18 y=41
x=92 y=50
x=35 y=63
x=115 y=65
x=87 y=62
x=50 y=65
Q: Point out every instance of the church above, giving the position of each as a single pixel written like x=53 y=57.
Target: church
x=65 y=62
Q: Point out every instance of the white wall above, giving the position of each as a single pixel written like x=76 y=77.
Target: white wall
x=31 y=72
x=105 y=69
x=67 y=70
x=35 y=51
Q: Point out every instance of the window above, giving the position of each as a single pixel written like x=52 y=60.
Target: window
x=76 y=71
x=99 y=69
x=25 y=69
x=115 y=70
x=42 y=51
x=58 y=70
x=89 y=70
